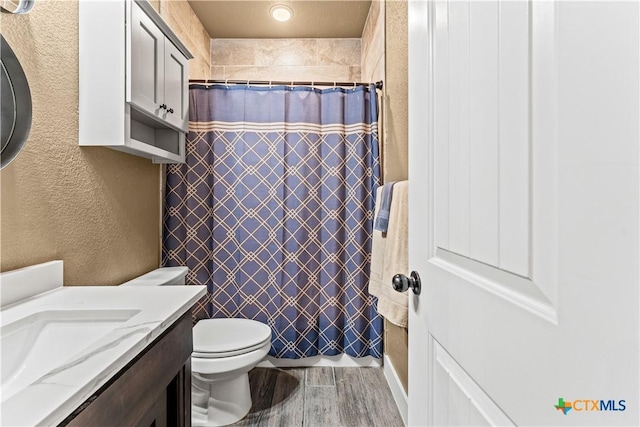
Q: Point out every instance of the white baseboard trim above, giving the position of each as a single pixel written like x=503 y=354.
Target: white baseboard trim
x=339 y=361
x=399 y=395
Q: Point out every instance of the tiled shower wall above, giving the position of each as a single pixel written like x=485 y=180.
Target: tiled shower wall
x=183 y=20
x=373 y=58
x=286 y=59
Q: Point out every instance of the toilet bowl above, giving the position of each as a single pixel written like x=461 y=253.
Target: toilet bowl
x=224 y=351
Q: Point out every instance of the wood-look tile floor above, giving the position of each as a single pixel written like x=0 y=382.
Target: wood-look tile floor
x=319 y=397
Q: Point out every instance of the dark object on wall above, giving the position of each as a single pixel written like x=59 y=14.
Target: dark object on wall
x=15 y=120
x=17 y=6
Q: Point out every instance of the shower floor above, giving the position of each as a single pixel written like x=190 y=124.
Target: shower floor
x=321 y=396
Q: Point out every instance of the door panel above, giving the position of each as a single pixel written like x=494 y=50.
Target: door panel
x=147 y=70
x=524 y=211
x=465 y=403
x=175 y=86
x=441 y=140
x=483 y=151
x=482 y=98
x=513 y=134
x=458 y=124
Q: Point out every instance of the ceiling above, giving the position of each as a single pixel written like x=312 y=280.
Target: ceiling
x=311 y=19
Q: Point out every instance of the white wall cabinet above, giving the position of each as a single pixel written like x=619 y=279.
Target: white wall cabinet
x=158 y=72
x=133 y=81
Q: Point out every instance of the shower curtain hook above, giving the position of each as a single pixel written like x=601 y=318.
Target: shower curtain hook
x=313 y=85
x=270 y=84
x=226 y=83
x=334 y=85
x=354 y=85
x=248 y=83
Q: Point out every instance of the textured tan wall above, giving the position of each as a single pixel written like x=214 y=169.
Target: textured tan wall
x=286 y=59
x=384 y=56
x=95 y=208
x=396 y=161
x=397 y=74
x=183 y=20
x=396 y=342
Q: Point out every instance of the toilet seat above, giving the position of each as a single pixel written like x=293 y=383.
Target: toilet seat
x=218 y=338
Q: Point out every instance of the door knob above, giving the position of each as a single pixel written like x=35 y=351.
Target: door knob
x=401 y=282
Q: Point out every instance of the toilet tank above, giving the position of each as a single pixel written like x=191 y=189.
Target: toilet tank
x=161 y=276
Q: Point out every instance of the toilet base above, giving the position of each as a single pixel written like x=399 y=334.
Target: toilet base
x=220 y=402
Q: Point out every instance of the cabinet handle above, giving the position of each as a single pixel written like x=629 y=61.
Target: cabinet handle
x=163 y=106
x=171 y=110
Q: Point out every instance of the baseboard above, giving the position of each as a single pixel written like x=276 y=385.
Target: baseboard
x=339 y=361
x=399 y=395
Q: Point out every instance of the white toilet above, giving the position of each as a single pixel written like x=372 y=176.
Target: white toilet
x=224 y=351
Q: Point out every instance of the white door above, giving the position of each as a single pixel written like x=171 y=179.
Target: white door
x=524 y=212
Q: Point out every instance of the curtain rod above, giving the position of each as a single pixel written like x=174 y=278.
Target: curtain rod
x=284 y=83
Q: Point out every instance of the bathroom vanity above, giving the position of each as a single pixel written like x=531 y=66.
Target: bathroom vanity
x=154 y=389
x=94 y=355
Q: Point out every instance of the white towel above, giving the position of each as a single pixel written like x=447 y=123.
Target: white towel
x=390 y=256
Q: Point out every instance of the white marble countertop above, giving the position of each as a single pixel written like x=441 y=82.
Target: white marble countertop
x=50 y=398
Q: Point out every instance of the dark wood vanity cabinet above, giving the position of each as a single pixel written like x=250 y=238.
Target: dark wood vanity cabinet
x=153 y=390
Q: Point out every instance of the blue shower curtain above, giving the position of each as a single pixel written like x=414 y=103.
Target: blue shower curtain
x=273 y=211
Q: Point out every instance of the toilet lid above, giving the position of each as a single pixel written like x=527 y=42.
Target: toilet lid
x=228 y=337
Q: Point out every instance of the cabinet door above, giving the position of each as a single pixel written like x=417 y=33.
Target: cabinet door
x=175 y=87
x=147 y=68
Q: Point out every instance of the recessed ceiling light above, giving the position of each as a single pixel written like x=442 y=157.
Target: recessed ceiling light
x=281 y=12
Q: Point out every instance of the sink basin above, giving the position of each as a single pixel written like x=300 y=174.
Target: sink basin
x=37 y=344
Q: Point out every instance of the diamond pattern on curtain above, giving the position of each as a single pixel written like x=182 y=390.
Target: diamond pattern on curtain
x=273 y=211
